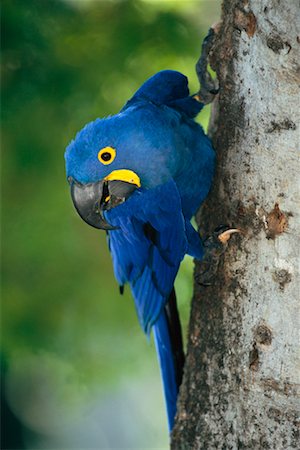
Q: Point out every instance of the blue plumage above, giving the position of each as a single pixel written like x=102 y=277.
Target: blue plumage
x=166 y=362
x=142 y=174
x=148 y=263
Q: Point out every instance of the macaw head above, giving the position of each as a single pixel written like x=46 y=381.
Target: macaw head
x=98 y=177
x=111 y=158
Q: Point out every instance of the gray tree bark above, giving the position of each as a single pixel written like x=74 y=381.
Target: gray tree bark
x=241 y=376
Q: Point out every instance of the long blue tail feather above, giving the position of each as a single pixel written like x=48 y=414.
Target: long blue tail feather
x=168 y=342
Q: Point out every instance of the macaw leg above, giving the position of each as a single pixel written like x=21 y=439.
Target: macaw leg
x=214 y=246
x=208 y=87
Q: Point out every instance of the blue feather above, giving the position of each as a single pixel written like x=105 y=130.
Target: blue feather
x=166 y=362
x=150 y=266
x=162 y=88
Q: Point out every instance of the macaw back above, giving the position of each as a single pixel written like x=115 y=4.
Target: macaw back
x=141 y=175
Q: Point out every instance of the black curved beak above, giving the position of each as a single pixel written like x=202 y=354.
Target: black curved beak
x=90 y=200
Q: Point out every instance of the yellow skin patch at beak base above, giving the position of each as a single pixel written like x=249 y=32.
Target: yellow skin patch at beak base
x=124 y=175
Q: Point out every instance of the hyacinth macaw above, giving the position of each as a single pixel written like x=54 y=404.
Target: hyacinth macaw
x=141 y=175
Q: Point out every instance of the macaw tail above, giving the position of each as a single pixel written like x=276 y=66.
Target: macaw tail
x=169 y=347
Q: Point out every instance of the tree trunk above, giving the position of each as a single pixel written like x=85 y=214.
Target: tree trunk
x=240 y=381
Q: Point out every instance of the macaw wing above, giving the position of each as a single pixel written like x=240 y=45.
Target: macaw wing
x=170 y=88
x=148 y=247
x=163 y=87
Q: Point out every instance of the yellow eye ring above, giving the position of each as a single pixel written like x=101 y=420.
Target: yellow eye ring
x=106 y=155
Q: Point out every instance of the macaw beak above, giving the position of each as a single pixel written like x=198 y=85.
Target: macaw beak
x=91 y=199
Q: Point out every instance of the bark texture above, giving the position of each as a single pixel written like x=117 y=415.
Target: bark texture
x=242 y=370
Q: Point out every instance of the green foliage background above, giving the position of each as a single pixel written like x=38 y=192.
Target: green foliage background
x=68 y=337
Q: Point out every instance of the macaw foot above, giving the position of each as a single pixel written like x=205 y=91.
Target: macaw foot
x=208 y=86
x=214 y=246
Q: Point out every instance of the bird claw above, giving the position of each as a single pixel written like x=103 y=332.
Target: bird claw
x=208 y=86
x=226 y=235
x=214 y=246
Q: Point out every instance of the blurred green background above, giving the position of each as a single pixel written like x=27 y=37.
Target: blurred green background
x=79 y=371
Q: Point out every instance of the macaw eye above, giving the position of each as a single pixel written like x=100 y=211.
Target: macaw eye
x=106 y=155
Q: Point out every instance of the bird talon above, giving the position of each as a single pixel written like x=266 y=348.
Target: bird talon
x=215 y=246
x=226 y=235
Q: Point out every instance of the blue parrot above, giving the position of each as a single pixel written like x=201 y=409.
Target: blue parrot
x=141 y=175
